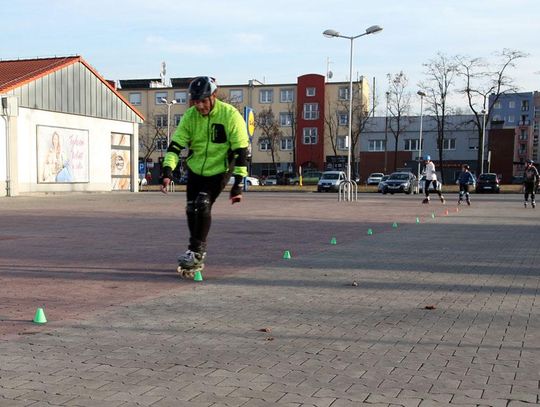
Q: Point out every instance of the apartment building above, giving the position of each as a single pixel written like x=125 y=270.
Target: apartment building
x=516 y=116
x=298 y=124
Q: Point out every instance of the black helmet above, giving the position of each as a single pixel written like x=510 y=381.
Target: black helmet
x=529 y=162
x=466 y=166
x=202 y=87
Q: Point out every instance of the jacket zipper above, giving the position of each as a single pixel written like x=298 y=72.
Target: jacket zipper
x=207 y=143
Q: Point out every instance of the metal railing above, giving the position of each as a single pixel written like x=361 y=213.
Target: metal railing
x=348 y=191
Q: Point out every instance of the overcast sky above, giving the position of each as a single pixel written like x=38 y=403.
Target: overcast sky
x=273 y=41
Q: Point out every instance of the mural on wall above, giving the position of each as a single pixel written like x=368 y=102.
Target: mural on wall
x=62 y=155
x=120 y=162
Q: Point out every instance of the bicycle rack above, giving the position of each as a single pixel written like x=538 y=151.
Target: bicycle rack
x=348 y=191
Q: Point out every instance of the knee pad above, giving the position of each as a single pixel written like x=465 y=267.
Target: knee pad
x=202 y=204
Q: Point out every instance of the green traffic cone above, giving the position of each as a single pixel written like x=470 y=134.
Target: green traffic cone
x=370 y=232
x=333 y=241
x=40 y=318
x=394 y=225
x=417 y=220
x=286 y=254
x=197 y=276
x=433 y=215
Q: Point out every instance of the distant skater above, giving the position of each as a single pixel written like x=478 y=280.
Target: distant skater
x=431 y=178
x=465 y=179
x=530 y=182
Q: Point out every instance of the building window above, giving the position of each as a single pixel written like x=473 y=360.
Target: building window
x=311 y=111
x=286 y=95
x=310 y=135
x=159 y=96
x=177 y=118
x=473 y=143
x=523 y=134
x=376 y=145
x=496 y=118
x=236 y=95
x=135 y=98
x=343 y=93
x=512 y=104
x=341 y=143
x=343 y=118
x=412 y=144
x=524 y=105
x=310 y=91
x=449 y=144
x=161 y=120
x=522 y=149
x=286 y=144
x=264 y=145
x=285 y=119
x=180 y=97
x=497 y=105
x=511 y=118
x=161 y=143
x=266 y=95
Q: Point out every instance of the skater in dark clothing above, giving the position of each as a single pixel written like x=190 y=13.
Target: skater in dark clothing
x=431 y=178
x=216 y=135
x=464 y=180
x=531 y=179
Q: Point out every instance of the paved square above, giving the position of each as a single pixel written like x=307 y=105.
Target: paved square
x=443 y=312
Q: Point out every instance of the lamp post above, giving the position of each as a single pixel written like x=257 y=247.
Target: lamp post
x=481 y=145
x=386 y=133
x=422 y=95
x=333 y=33
x=169 y=104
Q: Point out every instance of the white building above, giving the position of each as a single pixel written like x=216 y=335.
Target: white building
x=64 y=128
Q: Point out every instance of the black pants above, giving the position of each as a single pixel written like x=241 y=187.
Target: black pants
x=426 y=187
x=463 y=190
x=201 y=194
x=530 y=188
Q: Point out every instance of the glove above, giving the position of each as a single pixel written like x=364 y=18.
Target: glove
x=236 y=190
x=165 y=179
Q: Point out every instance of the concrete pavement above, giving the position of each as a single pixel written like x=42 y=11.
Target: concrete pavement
x=444 y=312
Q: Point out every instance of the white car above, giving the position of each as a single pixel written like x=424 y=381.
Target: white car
x=374 y=178
x=249 y=180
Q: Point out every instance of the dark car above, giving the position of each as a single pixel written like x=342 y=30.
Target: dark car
x=488 y=182
x=400 y=182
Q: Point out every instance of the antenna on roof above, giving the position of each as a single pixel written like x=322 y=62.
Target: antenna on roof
x=163 y=72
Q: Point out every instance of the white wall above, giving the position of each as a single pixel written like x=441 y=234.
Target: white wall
x=2 y=154
x=99 y=144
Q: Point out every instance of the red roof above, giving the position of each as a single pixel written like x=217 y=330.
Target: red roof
x=16 y=73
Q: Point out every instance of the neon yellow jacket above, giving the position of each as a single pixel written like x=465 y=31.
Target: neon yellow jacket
x=210 y=139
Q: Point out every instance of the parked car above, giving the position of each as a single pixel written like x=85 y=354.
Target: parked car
x=249 y=180
x=330 y=181
x=374 y=178
x=400 y=182
x=270 y=180
x=488 y=182
x=382 y=183
x=308 y=178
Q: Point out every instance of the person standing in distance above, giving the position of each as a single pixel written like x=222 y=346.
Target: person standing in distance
x=531 y=180
x=216 y=136
x=464 y=180
x=431 y=177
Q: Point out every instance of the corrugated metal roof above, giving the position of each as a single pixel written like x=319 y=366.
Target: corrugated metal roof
x=16 y=73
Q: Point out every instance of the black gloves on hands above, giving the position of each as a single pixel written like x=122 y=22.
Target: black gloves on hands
x=236 y=190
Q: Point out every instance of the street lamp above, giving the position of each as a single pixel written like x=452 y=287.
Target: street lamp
x=422 y=95
x=481 y=145
x=330 y=34
x=169 y=104
x=386 y=132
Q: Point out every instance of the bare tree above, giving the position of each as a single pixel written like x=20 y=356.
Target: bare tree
x=481 y=82
x=293 y=117
x=265 y=121
x=399 y=106
x=331 y=122
x=440 y=73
